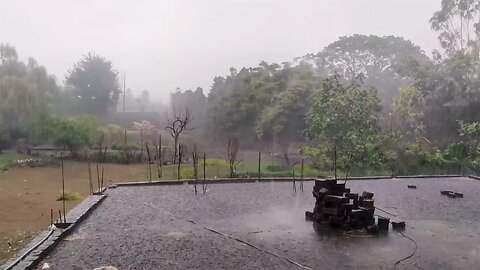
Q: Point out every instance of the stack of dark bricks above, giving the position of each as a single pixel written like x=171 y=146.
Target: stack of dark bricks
x=337 y=206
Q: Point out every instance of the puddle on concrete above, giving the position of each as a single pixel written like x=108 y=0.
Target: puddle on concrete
x=176 y=234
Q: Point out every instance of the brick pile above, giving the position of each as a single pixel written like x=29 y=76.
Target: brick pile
x=337 y=206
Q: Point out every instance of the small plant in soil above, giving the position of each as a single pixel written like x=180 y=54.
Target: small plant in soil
x=69 y=196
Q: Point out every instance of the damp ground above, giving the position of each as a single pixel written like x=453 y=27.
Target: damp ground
x=262 y=225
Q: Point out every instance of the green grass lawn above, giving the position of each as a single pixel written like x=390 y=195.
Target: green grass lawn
x=275 y=168
x=219 y=168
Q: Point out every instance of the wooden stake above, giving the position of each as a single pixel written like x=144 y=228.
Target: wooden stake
x=90 y=183
x=141 y=144
x=101 y=186
x=98 y=178
x=301 y=176
x=195 y=168
x=259 y=164
x=160 y=156
x=335 y=161
x=180 y=153
x=149 y=160
x=204 y=172
x=294 y=184
x=63 y=187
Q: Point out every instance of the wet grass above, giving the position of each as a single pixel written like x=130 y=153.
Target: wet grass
x=69 y=196
x=7 y=159
x=276 y=168
x=11 y=244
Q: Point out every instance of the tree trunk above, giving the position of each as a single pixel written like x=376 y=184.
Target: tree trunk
x=287 y=160
x=180 y=152
x=176 y=150
x=232 y=173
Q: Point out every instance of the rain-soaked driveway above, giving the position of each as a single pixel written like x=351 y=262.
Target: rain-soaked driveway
x=167 y=227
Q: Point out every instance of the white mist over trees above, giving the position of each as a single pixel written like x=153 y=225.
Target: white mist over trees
x=26 y=89
x=425 y=105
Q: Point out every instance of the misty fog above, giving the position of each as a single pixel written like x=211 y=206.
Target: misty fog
x=97 y=93
x=163 y=45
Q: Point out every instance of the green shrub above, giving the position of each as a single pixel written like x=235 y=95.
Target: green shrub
x=126 y=147
x=308 y=171
x=69 y=196
x=277 y=168
x=115 y=157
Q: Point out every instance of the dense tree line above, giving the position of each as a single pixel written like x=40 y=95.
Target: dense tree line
x=270 y=101
x=30 y=99
x=365 y=101
x=26 y=89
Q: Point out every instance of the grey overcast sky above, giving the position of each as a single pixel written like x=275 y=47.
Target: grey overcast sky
x=164 y=44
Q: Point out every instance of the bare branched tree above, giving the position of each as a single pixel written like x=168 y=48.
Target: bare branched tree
x=178 y=122
x=232 y=151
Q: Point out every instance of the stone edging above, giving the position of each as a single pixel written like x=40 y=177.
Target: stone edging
x=210 y=181
x=431 y=176
x=275 y=179
x=74 y=216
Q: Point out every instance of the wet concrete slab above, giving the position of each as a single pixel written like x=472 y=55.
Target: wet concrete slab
x=262 y=225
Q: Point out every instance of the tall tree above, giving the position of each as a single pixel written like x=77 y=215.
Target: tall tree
x=7 y=53
x=381 y=62
x=452 y=92
x=25 y=90
x=409 y=110
x=343 y=121
x=95 y=84
x=284 y=119
x=458 y=24
x=236 y=103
